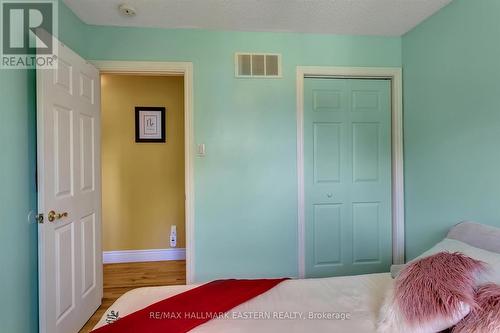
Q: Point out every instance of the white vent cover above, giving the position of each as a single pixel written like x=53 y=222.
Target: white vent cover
x=257 y=65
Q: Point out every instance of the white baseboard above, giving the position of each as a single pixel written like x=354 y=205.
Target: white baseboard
x=113 y=257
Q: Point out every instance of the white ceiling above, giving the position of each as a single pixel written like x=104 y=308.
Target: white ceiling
x=352 y=17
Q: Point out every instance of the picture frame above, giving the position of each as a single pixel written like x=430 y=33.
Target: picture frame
x=150 y=123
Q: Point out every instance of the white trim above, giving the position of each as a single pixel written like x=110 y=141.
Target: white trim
x=113 y=257
x=398 y=223
x=170 y=68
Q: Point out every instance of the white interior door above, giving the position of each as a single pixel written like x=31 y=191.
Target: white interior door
x=69 y=193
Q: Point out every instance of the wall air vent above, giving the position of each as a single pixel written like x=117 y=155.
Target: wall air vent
x=257 y=65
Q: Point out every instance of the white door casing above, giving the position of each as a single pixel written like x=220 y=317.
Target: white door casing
x=69 y=181
x=186 y=70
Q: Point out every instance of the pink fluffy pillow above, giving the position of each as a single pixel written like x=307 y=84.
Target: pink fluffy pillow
x=486 y=317
x=431 y=294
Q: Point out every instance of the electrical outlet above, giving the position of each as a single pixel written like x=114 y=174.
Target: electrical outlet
x=173 y=236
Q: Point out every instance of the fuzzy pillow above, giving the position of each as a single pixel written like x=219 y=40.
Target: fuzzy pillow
x=486 y=317
x=491 y=259
x=431 y=294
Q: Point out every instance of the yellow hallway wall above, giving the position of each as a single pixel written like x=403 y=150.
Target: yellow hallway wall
x=142 y=183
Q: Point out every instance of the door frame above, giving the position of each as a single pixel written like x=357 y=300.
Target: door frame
x=394 y=74
x=170 y=68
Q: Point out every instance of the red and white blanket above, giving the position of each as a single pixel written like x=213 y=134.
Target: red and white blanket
x=185 y=311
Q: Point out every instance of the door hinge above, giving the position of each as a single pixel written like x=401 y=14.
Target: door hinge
x=39 y=218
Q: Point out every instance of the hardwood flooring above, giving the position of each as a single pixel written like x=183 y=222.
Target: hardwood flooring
x=120 y=278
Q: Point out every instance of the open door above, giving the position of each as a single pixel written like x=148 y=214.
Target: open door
x=69 y=193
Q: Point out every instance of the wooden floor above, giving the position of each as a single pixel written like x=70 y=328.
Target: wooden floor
x=120 y=278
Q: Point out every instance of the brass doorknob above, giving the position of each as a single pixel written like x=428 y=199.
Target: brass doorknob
x=52 y=216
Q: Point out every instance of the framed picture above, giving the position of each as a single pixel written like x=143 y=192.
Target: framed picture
x=150 y=124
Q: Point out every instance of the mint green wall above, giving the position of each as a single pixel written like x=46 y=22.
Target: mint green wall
x=246 y=192
x=18 y=237
x=452 y=121
x=18 y=240
x=72 y=31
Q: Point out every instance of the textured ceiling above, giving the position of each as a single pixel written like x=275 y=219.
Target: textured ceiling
x=353 y=17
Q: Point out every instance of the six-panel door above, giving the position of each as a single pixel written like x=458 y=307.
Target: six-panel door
x=347 y=166
x=70 y=264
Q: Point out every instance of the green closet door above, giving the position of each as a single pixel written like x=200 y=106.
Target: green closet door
x=347 y=152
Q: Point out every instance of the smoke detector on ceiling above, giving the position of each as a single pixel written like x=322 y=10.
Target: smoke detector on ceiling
x=126 y=10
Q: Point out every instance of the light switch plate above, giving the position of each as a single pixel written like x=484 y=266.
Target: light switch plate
x=201 y=150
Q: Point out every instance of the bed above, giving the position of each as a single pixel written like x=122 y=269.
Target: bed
x=337 y=304
x=345 y=304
